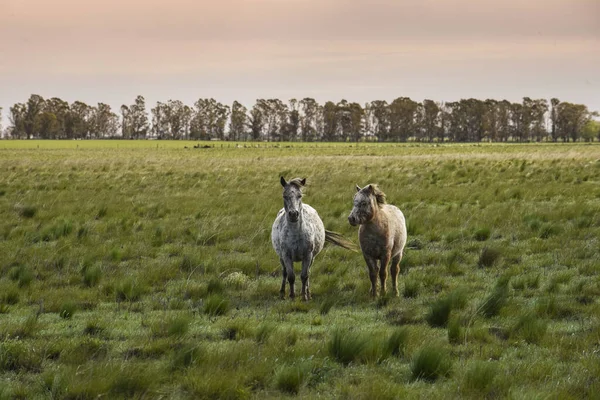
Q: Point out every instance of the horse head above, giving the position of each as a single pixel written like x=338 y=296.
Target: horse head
x=366 y=201
x=292 y=198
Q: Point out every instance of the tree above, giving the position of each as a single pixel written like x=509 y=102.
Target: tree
x=256 y=122
x=503 y=109
x=591 y=130
x=431 y=116
x=539 y=108
x=47 y=124
x=308 y=119
x=17 y=118
x=293 y=125
x=126 y=122
x=402 y=117
x=177 y=118
x=160 y=124
x=80 y=120
x=379 y=116
x=33 y=109
x=139 y=118
x=209 y=119
x=330 y=122
x=490 y=121
x=571 y=118
x=238 y=121
x=357 y=118
x=61 y=110
x=274 y=114
x=105 y=122
x=516 y=117
x=554 y=118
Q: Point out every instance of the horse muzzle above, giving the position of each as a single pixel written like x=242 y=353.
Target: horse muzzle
x=352 y=220
x=293 y=216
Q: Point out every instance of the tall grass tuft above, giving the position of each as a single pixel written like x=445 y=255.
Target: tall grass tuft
x=346 y=347
x=21 y=274
x=128 y=290
x=174 y=326
x=236 y=330
x=94 y=327
x=9 y=295
x=264 y=332
x=454 y=330
x=482 y=234
x=186 y=356
x=215 y=286
x=27 y=211
x=411 y=288
x=216 y=305
x=396 y=343
x=494 y=302
x=326 y=305
x=67 y=310
x=479 y=377
x=439 y=312
x=16 y=356
x=529 y=328
x=548 y=230
x=133 y=381
x=28 y=328
x=431 y=363
x=90 y=275
x=488 y=257
x=289 y=378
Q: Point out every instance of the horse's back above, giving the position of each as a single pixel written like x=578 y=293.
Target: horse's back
x=398 y=225
x=314 y=225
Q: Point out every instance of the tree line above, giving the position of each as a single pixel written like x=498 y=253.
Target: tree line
x=403 y=119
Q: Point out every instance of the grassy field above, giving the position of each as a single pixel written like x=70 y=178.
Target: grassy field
x=144 y=269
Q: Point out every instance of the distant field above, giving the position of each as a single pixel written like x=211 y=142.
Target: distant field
x=145 y=269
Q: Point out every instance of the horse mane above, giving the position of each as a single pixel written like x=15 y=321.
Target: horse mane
x=378 y=193
x=296 y=182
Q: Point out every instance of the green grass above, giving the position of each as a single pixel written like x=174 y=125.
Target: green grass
x=140 y=269
x=431 y=363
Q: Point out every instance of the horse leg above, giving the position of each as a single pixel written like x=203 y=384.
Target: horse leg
x=306 y=263
x=284 y=270
x=383 y=273
x=395 y=269
x=373 y=271
x=289 y=266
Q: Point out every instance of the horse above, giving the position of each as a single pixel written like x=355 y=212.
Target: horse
x=382 y=235
x=298 y=234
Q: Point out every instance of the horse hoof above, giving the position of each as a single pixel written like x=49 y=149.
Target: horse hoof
x=282 y=295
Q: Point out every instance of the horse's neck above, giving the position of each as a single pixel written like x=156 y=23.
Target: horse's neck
x=378 y=217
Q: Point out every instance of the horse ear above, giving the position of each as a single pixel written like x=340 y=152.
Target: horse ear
x=369 y=189
x=357 y=188
x=303 y=181
x=282 y=181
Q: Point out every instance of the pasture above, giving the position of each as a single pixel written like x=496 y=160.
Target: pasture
x=143 y=269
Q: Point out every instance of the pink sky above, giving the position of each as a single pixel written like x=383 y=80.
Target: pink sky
x=360 y=50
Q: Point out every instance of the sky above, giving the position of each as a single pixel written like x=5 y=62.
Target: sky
x=359 y=50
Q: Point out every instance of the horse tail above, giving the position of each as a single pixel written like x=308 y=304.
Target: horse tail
x=339 y=240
